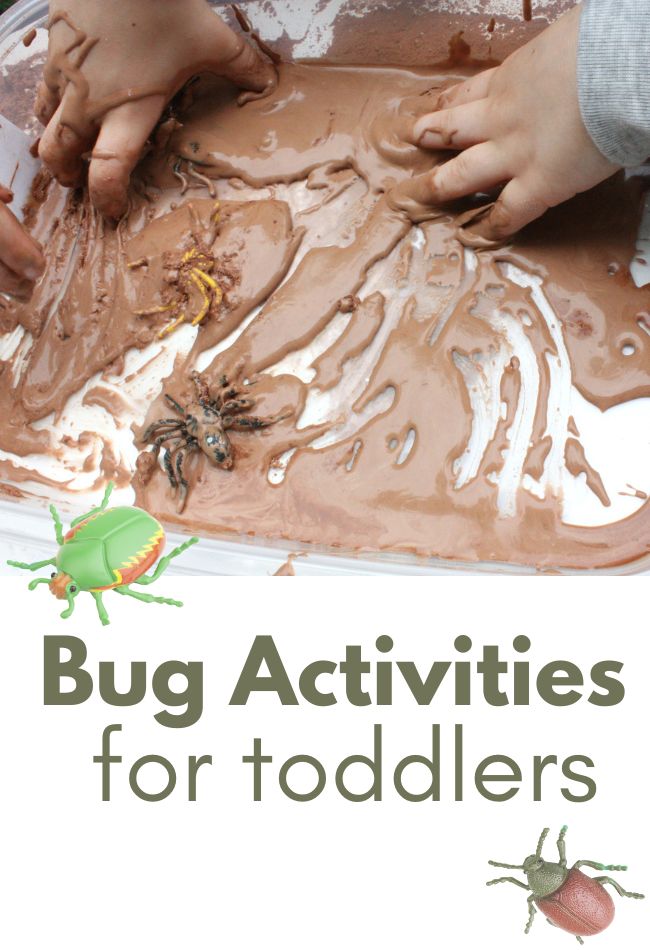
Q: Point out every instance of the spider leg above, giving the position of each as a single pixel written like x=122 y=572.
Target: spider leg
x=160 y=441
x=175 y=405
x=249 y=423
x=170 y=461
x=234 y=406
x=169 y=433
x=202 y=388
x=231 y=392
x=209 y=407
x=182 y=481
x=159 y=424
x=169 y=468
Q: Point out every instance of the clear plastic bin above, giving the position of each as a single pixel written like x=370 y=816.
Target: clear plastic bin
x=332 y=30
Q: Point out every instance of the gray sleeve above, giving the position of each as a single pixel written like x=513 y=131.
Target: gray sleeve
x=614 y=77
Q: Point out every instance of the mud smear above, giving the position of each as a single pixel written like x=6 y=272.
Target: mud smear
x=421 y=383
x=287 y=569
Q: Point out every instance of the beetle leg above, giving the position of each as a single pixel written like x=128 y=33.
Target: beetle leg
x=532 y=910
x=147 y=598
x=95 y=511
x=32 y=567
x=101 y=610
x=561 y=846
x=617 y=887
x=164 y=563
x=58 y=527
x=599 y=867
x=175 y=405
x=508 y=880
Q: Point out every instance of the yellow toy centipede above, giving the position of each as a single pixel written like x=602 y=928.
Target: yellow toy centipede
x=194 y=270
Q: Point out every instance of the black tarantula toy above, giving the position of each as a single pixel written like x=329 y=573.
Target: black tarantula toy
x=203 y=427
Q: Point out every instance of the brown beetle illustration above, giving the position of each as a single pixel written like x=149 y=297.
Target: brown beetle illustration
x=570 y=899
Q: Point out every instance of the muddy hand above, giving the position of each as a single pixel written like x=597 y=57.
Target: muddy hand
x=21 y=258
x=111 y=69
x=517 y=125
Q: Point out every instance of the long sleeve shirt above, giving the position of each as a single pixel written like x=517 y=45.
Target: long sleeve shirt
x=614 y=78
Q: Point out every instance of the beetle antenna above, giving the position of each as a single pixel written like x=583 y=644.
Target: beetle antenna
x=70 y=608
x=511 y=867
x=540 y=843
x=39 y=580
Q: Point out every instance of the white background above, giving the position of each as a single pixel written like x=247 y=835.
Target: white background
x=78 y=873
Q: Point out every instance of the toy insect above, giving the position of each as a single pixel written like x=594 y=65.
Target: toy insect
x=570 y=899
x=192 y=277
x=106 y=549
x=203 y=427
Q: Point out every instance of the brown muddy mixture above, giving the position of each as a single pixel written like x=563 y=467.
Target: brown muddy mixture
x=419 y=385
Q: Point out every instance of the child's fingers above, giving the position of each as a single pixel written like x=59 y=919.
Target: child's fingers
x=46 y=104
x=6 y=195
x=238 y=60
x=469 y=91
x=455 y=128
x=478 y=169
x=61 y=150
x=14 y=285
x=19 y=253
x=118 y=148
x=518 y=205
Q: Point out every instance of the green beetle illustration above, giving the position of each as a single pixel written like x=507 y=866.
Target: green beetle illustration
x=106 y=549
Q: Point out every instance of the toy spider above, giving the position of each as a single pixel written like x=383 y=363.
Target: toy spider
x=203 y=428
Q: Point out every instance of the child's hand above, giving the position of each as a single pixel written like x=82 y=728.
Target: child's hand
x=140 y=46
x=21 y=258
x=520 y=124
